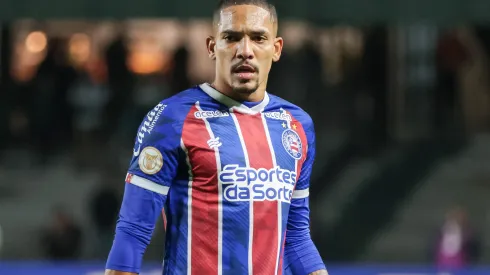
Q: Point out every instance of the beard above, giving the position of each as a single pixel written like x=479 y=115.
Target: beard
x=248 y=87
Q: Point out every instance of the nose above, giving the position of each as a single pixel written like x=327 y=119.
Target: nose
x=244 y=50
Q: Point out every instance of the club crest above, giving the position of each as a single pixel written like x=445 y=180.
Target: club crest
x=292 y=143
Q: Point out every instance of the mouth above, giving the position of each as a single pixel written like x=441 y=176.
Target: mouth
x=245 y=72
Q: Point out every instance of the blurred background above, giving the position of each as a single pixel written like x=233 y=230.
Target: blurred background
x=400 y=95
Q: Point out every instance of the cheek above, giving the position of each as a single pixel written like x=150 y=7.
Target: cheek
x=222 y=58
x=224 y=48
x=266 y=67
x=224 y=54
x=265 y=59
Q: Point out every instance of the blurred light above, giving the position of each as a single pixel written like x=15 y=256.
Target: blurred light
x=79 y=47
x=36 y=42
x=25 y=63
x=145 y=62
x=352 y=42
x=146 y=56
x=24 y=74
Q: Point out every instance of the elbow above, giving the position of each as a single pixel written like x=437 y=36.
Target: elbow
x=301 y=255
x=297 y=237
x=134 y=232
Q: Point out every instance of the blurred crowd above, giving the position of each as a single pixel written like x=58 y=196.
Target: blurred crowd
x=86 y=107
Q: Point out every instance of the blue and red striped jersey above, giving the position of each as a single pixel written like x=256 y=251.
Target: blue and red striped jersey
x=228 y=173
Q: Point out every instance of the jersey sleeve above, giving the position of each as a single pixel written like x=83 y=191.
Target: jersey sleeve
x=156 y=152
x=301 y=257
x=302 y=189
x=152 y=169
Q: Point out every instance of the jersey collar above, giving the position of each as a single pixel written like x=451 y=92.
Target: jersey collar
x=233 y=104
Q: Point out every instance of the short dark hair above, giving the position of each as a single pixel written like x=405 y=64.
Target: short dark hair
x=223 y=4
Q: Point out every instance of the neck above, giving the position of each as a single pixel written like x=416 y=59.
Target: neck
x=256 y=96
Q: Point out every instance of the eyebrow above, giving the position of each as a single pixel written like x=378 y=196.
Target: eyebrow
x=237 y=33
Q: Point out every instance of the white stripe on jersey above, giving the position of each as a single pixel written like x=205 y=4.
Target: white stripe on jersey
x=189 y=208
x=147 y=184
x=251 y=205
x=301 y=194
x=279 y=203
x=220 y=196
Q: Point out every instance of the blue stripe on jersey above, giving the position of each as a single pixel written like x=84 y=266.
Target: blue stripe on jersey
x=283 y=159
x=176 y=206
x=234 y=252
x=177 y=226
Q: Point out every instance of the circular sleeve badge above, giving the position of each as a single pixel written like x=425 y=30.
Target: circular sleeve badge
x=150 y=160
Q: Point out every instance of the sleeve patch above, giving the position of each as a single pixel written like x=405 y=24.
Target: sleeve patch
x=150 y=160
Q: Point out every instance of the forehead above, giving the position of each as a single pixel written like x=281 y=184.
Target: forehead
x=245 y=17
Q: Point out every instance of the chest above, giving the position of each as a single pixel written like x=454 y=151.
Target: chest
x=243 y=150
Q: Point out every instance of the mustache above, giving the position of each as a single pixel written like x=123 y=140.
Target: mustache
x=236 y=66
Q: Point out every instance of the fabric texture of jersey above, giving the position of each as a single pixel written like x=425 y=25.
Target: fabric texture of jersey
x=227 y=176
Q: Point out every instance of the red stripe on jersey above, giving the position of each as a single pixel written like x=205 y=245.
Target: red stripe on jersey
x=204 y=227
x=265 y=226
x=298 y=128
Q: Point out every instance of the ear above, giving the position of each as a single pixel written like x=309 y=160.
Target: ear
x=211 y=46
x=278 y=44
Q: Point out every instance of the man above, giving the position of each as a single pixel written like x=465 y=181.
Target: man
x=229 y=162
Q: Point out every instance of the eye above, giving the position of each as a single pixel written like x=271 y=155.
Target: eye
x=231 y=38
x=259 y=38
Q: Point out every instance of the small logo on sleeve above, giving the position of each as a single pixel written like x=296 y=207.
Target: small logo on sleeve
x=150 y=160
x=136 y=152
x=129 y=177
x=147 y=127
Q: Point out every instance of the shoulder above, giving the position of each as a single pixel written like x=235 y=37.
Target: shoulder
x=181 y=103
x=173 y=111
x=296 y=112
x=164 y=122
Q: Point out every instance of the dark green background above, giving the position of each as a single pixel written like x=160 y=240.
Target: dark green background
x=321 y=11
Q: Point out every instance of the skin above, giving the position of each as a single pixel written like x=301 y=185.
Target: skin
x=243 y=34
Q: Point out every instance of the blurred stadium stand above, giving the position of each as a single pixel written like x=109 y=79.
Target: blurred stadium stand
x=459 y=179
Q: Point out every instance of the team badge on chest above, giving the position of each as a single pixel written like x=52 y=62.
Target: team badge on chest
x=292 y=143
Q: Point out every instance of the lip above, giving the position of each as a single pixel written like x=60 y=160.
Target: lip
x=245 y=72
x=246 y=67
x=245 y=75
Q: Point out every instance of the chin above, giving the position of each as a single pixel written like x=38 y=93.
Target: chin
x=245 y=88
